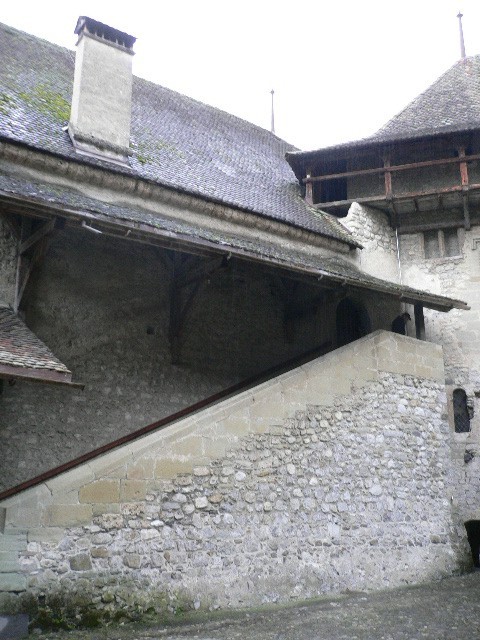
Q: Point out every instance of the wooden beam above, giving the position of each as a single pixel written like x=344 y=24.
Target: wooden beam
x=417 y=228
x=419 y=321
x=400 y=197
x=388 y=178
x=41 y=232
x=27 y=269
x=465 y=184
x=21 y=263
x=180 y=308
x=47 y=376
x=391 y=169
x=207 y=269
x=309 y=191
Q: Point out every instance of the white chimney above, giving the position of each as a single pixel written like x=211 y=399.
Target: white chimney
x=102 y=92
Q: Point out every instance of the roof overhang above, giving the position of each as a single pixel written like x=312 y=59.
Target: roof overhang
x=129 y=224
x=23 y=356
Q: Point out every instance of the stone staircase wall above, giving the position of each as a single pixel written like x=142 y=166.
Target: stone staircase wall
x=332 y=476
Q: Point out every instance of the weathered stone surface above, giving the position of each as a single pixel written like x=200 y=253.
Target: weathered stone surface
x=58 y=515
x=80 y=562
x=100 y=491
x=320 y=509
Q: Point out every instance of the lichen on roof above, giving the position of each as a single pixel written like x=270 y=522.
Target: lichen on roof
x=177 y=142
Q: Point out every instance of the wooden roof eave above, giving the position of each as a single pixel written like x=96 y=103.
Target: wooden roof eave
x=143 y=232
x=46 y=376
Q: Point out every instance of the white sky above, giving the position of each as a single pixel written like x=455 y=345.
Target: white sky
x=340 y=68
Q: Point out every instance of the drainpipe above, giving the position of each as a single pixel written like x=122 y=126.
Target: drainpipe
x=398 y=256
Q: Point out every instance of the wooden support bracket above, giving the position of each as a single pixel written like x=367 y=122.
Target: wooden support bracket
x=188 y=274
x=32 y=247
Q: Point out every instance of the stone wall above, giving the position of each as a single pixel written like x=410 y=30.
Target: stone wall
x=459 y=334
x=372 y=229
x=8 y=264
x=102 y=305
x=330 y=477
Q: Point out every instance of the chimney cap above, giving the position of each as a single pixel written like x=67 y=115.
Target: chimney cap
x=104 y=31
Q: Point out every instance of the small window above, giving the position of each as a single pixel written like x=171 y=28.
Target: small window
x=441 y=243
x=461 y=415
x=452 y=246
x=431 y=244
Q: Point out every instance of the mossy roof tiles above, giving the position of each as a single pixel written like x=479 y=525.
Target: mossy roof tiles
x=176 y=142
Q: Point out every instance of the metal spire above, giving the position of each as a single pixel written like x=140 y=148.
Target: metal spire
x=272 y=125
x=462 y=41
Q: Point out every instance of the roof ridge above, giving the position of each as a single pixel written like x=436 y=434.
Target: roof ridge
x=213 y=108
x=8 y=28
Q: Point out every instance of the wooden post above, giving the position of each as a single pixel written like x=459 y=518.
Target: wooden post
x=309 y=190
x=419 y=321
x=465 y=186
x=388 y=178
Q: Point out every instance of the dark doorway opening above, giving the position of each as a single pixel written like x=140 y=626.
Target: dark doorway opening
x=460 y=411
x=473 y=535
x=352 y=321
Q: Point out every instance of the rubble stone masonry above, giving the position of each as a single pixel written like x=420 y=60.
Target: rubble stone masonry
x=333 y=476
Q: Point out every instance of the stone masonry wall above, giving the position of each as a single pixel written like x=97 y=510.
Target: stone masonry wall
x=371 y=228
x=8 y=264
x=331 y=477
x=102 y=306
x=459 y=334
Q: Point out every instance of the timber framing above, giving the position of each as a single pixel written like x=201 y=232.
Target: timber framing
x=391 y=198
x=290 y=263
x=421 y=174
x=32 y=246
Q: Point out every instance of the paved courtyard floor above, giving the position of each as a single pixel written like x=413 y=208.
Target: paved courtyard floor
x=449 y=609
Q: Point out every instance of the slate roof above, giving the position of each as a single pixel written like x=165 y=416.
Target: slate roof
x=24 y=355
x=176 y=141
x=103 y=215
x=450 y=105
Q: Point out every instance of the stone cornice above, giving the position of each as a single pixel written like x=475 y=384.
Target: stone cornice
x=122 y=184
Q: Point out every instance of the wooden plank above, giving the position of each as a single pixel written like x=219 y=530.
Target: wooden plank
x=417 y=228
x=49 y=376
x=27 y=269
x=205 y=271
x=392 y=168
x=21 y=266
x=388 y=178
x=40 y=233
x=397 y=198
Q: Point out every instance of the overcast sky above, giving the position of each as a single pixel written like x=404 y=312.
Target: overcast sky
x=340 y=68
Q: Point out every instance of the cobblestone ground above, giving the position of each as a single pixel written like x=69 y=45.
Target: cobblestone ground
x=449 y=609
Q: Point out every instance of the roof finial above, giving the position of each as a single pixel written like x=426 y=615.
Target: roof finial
x=272 y=125
x=462 y=42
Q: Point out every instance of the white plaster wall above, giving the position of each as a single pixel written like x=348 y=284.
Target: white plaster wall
x=372 y=229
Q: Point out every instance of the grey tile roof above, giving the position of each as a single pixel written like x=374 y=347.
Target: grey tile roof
x=96 y=211
x=20 y=348
x=451 y=103
x=176 y=141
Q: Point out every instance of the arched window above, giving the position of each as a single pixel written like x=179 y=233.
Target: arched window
x=460 y=411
